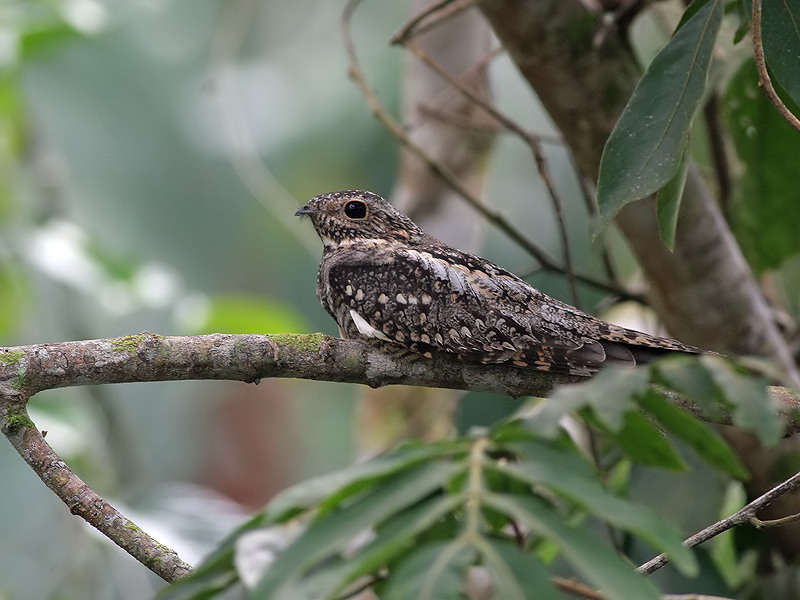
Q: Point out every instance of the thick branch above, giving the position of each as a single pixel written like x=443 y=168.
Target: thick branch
x=26 y=370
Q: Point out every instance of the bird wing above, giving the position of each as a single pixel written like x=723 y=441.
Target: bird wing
x=437 y=299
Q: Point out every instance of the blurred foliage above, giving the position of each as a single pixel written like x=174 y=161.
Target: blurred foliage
x=151 y=157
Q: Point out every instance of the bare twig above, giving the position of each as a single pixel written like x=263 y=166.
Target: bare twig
x=85 y=502
x=430 y=18
x=396 y=129
x=530 y=140
x=393 y=127
x=27 y=370
x=716 y=142
x=761 y=63
x=576 y=588
x=759 y=524
x=740 y=517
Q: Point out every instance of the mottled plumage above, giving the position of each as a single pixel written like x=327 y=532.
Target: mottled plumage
x=387 y=281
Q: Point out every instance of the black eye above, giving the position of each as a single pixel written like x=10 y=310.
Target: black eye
x=355 y=209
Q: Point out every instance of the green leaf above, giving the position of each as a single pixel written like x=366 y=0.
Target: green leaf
x=669 y=202
x=434 y=571
x=763 y=210
x=516 y=575
x=644 y=151
x=398 y=535
x=688 y=377
x=329 y=535
x=754 y=408
x=571 y=477
x=330 y=489
x=609 y=394
x=644 y=443
x=698 y=436
x=780 y=32
x=588 y=556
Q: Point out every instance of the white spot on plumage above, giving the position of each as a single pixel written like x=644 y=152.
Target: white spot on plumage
x=365 y=328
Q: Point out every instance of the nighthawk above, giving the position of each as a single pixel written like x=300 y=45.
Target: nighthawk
x=384 y=280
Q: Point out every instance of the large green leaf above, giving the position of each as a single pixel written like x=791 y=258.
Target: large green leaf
x=326 y=491
x=764 y=209
x=669 y=201
x=329 y=535
x=609 y=394
x=780 y=32
x=697 y=435
x=399 y=534
x=516 y=575
x=688 y=377
x=435 y=571
x=644 y=443
x=754 y=408
x=592 y=559
x=571 y=477
x=645 y=148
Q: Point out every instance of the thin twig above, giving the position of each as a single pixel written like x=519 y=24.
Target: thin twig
x=759 y=524
x=443 y=171
x=429 y=18
x=716 y=142
x=576 y=588
x=590 y=204
x=761 y=63
x=740 y=517
x=242 y=149
x=447 y=175
x=530 y=140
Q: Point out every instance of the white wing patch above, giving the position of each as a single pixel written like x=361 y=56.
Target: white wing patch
x=441 y=269
x=464 y=281
x=365 y=328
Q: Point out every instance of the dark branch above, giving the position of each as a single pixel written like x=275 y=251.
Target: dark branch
x=743 y=516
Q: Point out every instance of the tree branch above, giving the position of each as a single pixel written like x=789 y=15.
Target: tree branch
x=761 y=63
x=146 y=357
x=27 y=370
x=740 y=517
x=85 y=502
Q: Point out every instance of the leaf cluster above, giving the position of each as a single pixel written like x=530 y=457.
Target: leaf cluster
x=648 y=151
x=518 y=502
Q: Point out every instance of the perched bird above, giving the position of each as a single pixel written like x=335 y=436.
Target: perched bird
x=384 y=280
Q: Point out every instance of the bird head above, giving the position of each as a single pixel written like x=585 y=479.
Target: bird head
x=343 y=218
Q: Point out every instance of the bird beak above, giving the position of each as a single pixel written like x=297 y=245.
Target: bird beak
x=303 y=211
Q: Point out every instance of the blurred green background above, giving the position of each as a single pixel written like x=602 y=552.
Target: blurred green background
x=152 y=155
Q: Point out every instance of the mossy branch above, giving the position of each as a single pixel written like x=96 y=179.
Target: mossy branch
x=27 y=370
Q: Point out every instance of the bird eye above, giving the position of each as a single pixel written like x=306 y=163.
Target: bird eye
x=355 y=209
